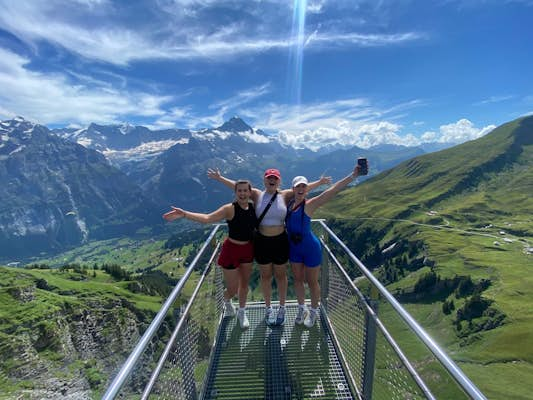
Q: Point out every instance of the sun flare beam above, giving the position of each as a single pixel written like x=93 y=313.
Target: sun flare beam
x=296 y=52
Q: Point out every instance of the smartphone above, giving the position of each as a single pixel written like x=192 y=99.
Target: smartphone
x=363 y=166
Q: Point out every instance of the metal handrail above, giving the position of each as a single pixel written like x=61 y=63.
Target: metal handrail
x=381 y=327
x=171 y=341
x=466 y=384
x=126 y=369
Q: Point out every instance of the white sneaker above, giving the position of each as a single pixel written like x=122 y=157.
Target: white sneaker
x=301 y=315
x=269 y=316
x=280 y=318
x=243 y=319
x=229 y=309
x=311 y=319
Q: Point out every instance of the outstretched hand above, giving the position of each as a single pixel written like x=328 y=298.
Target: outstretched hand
x=325 y=180
x=214 y=174
x=357 y=170
x=174 y=214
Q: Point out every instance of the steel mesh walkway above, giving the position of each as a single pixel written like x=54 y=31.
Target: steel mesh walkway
x=287 y=362
x=351 y=353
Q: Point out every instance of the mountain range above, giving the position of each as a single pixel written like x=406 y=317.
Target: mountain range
x=171 y=165
x=67 y=186
x=57 y=193
x=458 y=215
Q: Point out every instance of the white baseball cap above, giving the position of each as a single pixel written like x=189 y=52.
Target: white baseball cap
x=298 y=180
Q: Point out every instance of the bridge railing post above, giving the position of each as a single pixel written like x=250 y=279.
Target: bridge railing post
x=324 y=274
x=369 y=359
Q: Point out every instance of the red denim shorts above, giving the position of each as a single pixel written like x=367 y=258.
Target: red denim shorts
x=233 y=255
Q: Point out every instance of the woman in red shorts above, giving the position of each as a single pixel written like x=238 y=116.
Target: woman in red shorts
x=237 y=254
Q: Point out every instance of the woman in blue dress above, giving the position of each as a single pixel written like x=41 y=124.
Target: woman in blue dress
x=305 y=253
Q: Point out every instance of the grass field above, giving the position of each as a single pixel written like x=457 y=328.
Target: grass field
x=482 y=233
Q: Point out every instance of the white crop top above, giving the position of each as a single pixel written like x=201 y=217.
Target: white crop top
x=275 y=216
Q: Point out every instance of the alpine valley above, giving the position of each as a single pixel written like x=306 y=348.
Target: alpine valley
x=64 y=187
x=450 y=233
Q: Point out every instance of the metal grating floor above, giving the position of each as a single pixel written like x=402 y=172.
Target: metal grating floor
x=285 y=362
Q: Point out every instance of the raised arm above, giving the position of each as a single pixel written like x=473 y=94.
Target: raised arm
x=312 y=204
x=217 y=176
x=324 y=180
x=224 y=212
x=288 y=194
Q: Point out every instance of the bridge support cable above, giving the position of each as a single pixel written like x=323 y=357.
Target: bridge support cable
x=458 y=375
x=139 y=349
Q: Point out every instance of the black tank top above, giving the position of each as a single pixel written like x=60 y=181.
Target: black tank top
x=242 y=226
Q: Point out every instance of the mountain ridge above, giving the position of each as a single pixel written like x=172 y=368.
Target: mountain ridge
x=460 y=213
x=437 y=176
x=116 y=138
x=59 y=193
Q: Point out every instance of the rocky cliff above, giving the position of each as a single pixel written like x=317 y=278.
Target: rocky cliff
x=62 y=344
x=56 y=194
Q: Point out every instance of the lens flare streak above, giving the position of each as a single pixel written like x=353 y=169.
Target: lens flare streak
x=296 y=55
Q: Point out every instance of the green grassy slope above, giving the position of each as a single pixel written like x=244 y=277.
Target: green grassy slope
x=496 y=165
x=472 y=208
x=66 y=325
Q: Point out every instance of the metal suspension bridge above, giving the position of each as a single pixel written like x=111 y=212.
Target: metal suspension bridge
x=364 y=346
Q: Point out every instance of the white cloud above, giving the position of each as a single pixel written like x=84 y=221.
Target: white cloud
x=352 y=122
x=243 y=97
x=347 y=134
x=181 y=30
x=374 y=132
x=347 y=122
x=52 y=98
x=428 y=137
x=493 y=99
x=462 y=131
x=363 y=40
x=316 y=6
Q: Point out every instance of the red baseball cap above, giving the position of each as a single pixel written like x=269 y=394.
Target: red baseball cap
x=272 y=172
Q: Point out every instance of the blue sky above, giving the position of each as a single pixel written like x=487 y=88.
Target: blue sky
x=315 y=71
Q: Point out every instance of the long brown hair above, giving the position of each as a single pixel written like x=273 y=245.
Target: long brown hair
x=241 y=182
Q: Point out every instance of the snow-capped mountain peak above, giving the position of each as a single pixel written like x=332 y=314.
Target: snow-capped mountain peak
x=23 y=128
x=235 y=124
x=126 y=128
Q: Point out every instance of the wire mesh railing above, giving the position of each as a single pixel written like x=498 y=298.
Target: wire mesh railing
x=370 y=346
x=176 y=370
x=187 y=353
x=362 y=328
